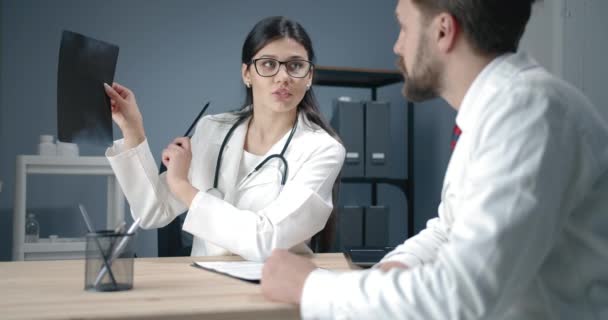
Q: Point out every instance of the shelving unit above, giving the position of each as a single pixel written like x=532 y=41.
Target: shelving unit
x=63 y=248
x=356 y=78
x=373 y=79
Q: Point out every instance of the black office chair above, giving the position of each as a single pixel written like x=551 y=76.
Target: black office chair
x=325 y=240
x=172 y=241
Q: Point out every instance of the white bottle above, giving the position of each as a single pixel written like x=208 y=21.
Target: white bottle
x=66 y=149
x=47 y=146
x=32 y=228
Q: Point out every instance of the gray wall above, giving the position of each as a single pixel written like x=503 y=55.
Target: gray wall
x=584 y=57
x=175 y=55
x=543 y=34
x=570 y=39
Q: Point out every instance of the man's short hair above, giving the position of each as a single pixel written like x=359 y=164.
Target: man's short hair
x=492 y=26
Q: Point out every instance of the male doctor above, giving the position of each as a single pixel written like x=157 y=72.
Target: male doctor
x=522 y=231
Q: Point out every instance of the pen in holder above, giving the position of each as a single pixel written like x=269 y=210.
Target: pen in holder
x=108 y=253
x=106 y=267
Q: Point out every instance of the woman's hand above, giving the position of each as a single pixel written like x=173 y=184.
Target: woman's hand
x=177 y=157
x=126 y=114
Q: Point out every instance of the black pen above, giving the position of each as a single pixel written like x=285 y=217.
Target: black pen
x=162 y=167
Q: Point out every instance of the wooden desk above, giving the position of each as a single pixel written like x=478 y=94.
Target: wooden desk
x=163 y=288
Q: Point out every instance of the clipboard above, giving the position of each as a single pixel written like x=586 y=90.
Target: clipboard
x=248 y=271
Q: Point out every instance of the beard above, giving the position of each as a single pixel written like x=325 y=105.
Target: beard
x=424 y=80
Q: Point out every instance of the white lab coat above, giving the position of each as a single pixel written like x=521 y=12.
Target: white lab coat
x=522 y=231
x=253 y=218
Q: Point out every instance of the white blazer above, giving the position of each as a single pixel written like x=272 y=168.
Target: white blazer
x=253 y=218
x=522 y=231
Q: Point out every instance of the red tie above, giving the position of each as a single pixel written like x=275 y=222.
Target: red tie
x=455 y=135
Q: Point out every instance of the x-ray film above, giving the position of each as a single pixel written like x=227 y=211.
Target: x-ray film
x=83 y=108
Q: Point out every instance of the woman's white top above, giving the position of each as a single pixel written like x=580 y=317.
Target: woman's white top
x=255 y=216
x=248 y=163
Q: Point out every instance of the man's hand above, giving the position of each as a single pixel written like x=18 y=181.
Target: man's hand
x=283 y=276
x=386 y=266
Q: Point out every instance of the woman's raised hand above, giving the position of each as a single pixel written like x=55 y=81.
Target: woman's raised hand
x=125 y=113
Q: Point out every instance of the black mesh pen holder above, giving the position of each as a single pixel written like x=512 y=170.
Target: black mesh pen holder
x=109 y=261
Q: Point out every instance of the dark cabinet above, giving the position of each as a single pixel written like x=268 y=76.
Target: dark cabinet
x=365 y=130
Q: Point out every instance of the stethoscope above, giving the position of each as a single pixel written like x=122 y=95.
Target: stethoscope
x=214 y=190
x=281 y=156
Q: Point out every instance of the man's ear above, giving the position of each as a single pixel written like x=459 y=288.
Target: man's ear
x=447 y=29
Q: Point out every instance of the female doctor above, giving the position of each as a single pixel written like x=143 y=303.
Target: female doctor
x=253 y=180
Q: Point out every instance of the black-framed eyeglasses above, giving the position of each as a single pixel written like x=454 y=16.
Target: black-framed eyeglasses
x=268 y=67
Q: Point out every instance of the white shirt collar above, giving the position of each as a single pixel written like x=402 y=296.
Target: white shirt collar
x=491 y=79
x=469 y=107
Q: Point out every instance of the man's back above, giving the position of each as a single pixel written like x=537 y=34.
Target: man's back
x=524 y=205
x=542 y=150
x=572 y=281
x=521 y=232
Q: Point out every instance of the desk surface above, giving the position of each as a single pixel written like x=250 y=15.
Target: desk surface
x=163 y=288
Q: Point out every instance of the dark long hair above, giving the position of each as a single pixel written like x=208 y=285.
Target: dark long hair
x=264 y=32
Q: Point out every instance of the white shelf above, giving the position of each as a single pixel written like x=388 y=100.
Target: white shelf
x=63 y=248
x=45 y=245
x=65 y=165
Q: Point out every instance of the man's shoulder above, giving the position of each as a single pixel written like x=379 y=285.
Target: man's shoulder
x=538 y=87
x=531 y=94
x=526 y=75
x=521 y=83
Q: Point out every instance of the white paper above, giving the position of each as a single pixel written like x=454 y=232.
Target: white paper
x=246 y=270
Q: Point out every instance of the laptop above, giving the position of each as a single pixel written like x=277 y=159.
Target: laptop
x=366 y=257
